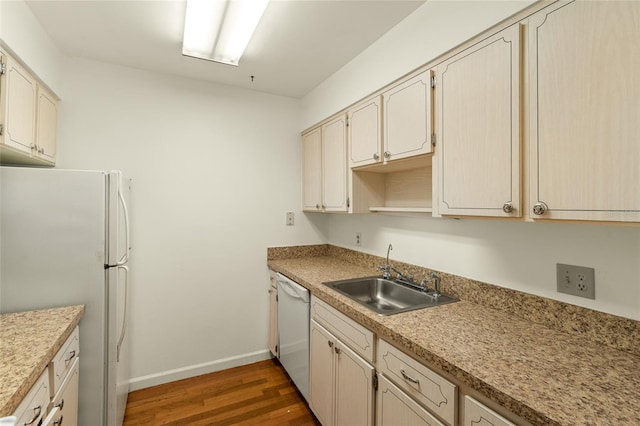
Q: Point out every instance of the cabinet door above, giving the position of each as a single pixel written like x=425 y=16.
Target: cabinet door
x=321 y=373
x=585 y=111
x=334 y=165
x=394 y=407
x=353 y=388
x=273 y=315
x=312 y=170
x=365 y=132
x=46 y=124
x=478 y=93
x=408 y=118
x=66 y=400
x=19 y=95
x=477 y=414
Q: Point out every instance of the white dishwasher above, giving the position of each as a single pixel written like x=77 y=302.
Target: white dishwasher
x=293 y=331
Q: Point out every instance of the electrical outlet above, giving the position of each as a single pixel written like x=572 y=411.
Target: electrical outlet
x=358 y=238
x=289 y=218
x=576 y=280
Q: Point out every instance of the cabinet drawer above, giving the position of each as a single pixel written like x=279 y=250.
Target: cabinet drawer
x=437 y=394
x=476 y=413
x=34 y=406
x=350 y=332
x=396 y=408
x=66 y=399
x=63 y=361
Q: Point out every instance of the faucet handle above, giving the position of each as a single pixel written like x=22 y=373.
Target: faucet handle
x=424 y=285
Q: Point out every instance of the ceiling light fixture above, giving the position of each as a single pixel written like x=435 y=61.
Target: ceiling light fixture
x=220 y=30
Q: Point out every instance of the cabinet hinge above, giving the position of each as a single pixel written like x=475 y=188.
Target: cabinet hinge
x=433 y=139
x=3 y=68
x=347 y=121
x=276 y=297
x=1 y=128
x=348 y=202
x=433 y=82
x=375 y=381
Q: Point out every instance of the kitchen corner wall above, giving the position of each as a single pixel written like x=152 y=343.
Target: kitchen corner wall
x=214 y=170
x=517 y=255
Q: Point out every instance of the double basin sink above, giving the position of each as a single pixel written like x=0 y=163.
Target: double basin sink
x=387 y=297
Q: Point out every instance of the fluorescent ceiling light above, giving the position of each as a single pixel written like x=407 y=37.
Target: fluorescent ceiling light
x=220 y=30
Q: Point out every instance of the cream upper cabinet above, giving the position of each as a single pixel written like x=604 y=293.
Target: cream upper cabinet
x=365 y=132
x=46 y=124
x=312 y=170
x=334 y=165
x=585 y=111
x=19 y=90
x=478 y=112
x=407 y=109
x=324 y=157
x=28 y=117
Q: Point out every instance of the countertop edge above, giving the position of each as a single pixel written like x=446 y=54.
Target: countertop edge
x=14 y=401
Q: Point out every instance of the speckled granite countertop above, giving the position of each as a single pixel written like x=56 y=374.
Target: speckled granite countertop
x=543 y=375
x=28 y=342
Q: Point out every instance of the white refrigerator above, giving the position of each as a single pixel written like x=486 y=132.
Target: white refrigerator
x=64 y=240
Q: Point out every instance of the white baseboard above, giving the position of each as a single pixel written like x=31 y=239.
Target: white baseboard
x=142 y=382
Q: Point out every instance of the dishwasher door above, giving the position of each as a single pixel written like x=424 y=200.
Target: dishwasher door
x=293 y=331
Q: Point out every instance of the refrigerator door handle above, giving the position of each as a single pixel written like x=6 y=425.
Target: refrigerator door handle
x=124 y=316
x=125 y=257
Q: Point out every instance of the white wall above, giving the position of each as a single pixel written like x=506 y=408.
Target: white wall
x=21 y=32
x=214 y=170
x=521 y=256
x=431 y=30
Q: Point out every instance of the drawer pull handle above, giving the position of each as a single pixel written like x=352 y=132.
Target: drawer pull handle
x=330 y=343
x=72 y=355
x=38 y=411
x=409 y=378
x=338 y=350
x=59 y=421
x=61 y=405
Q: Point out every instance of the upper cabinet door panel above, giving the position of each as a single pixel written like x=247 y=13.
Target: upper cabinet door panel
x=478 y=92
x=20 y=110
x=365 y=132
x=408 y=118
x=46 y=128
x=585 y=111
x=334 y=164
x=312 y=170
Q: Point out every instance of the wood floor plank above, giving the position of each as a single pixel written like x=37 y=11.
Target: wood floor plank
x=255 y=394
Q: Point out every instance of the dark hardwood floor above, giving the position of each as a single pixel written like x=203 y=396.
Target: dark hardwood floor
x=255 y=394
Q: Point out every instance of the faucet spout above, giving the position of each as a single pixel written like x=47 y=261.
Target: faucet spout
x=386 y=268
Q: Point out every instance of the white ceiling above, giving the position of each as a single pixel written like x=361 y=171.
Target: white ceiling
x=297 y=45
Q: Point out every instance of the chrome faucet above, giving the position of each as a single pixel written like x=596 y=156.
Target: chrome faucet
x=435 y=278
x=386 y=268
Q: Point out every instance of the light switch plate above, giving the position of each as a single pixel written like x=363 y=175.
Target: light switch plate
x=576 y=280
x=289 y=218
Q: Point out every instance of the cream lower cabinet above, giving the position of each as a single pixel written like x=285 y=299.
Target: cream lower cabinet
x=394 y=407
x=325 y=167
x=341 y=382
x=478 y=112
x=585 y=111
x=273 y=314
x=33 y=408
x=476 y=414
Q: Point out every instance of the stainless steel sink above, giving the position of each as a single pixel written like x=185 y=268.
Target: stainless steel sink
x=387 y=297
